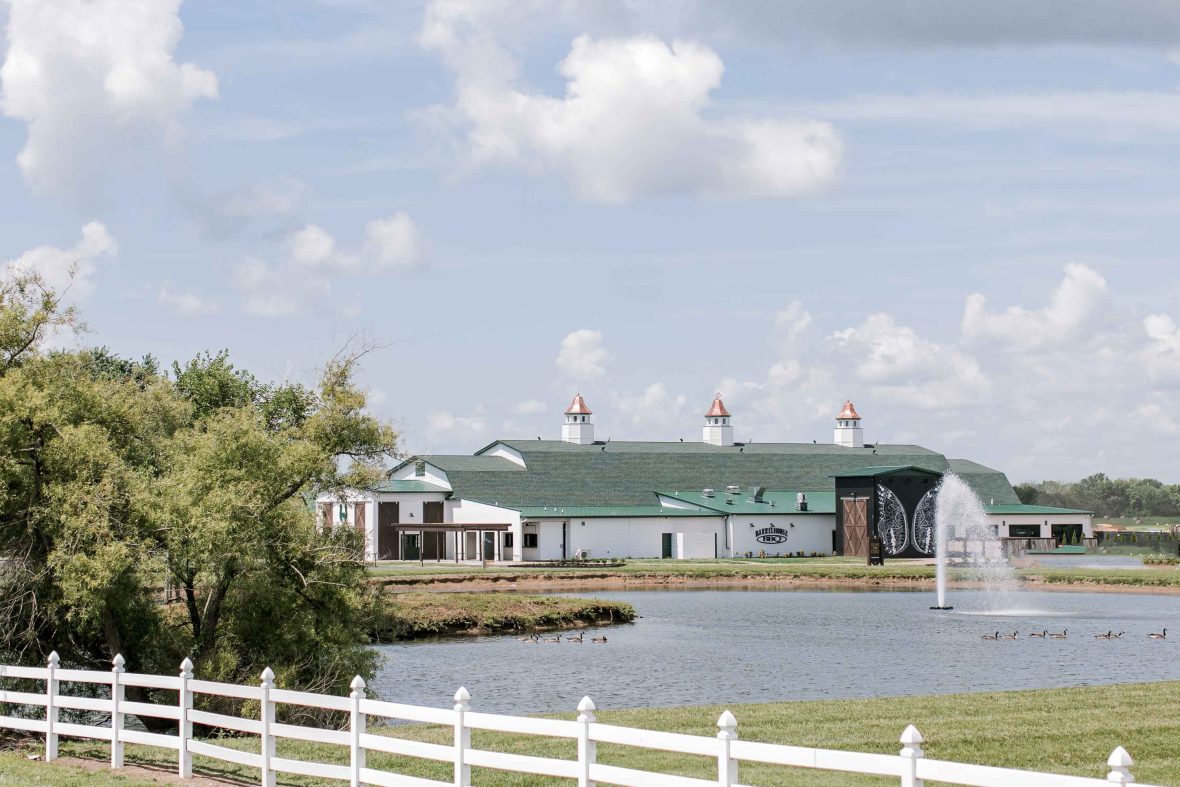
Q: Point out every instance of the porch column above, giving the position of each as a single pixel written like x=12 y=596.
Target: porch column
x=518 y=540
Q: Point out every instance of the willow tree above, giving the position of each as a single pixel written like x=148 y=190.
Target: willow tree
x=166 y=514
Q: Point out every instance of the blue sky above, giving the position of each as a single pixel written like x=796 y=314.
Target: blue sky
x=962 y=216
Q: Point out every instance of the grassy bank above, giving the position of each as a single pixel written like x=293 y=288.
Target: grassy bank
x=831 y=571
x=401 y=616
x=1061 y=730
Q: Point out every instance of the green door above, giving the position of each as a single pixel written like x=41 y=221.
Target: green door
x=666 y=550
x=411 y=546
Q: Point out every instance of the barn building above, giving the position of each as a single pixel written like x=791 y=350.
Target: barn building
x=541 y=500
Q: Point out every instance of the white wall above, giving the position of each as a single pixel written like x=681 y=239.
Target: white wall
x=639 y=537
x=501 y=450
x=433 y=475
x=549 y=537
x=1044 y=521
x=805 y=533
x=469 y=512
x=350 y=500
x=694 y=546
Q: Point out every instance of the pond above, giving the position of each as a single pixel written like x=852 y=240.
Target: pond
x=730 y=646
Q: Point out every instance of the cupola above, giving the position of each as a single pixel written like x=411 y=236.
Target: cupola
x=579 y=423
x=848 y=431
x=717 y=430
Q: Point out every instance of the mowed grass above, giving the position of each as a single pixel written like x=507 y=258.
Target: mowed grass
x=1060 y=730
x=836 y=570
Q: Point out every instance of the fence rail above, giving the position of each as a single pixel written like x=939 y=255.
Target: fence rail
x=910 y=766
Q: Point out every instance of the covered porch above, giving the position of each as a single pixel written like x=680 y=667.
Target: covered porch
x=440 y=542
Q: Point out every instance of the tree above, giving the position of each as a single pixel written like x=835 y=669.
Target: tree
x=1027 y=493
x=119 y=480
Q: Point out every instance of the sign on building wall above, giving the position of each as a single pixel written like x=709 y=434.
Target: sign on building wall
x=771 y=535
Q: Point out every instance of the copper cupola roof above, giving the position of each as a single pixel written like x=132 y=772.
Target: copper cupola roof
x=848 y=413
x=718 y=408
x=578 y=406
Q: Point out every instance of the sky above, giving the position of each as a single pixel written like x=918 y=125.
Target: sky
x=962 y=216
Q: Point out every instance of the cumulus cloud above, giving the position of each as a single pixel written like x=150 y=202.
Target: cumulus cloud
x=1073 y=304
x=313 y=260
x=69 y=271
x=443 y=421
x=264 y=199
x=530 y=407
x=92 y=79
x=1162 y=354
x=633 y=120
x=908 y=368
x=582 y=355
x=186 y=303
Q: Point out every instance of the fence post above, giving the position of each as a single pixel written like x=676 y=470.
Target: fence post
x=357 y=727
x=267 y=714
x=587 y=751
x=117 y=710
x=727 y=766
x=1120 y=766
x=51 y=708
x=184 y=728
x=462 y=738
x=911 y=752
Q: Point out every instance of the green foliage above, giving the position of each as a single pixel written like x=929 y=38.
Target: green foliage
x=120 y=481
x=1107 y=497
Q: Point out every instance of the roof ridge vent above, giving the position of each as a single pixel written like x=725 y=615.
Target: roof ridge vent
x=732 y=489
x=707 y=492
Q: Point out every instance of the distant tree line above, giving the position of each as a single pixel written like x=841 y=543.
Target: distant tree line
x=1105 y=496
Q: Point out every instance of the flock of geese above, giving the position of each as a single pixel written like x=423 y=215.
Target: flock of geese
x=1064 y=634
x=580 y=637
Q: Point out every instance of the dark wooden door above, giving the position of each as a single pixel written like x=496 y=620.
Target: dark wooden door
x=432 y=512
x=387 y=540
x=431 y=545
x=665 y=545
x=856 y=526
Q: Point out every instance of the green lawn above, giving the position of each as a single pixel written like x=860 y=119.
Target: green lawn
x=1061 y=730
x=836 y=570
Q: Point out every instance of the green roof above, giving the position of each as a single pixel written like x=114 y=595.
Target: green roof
x=818 y=501
x=628 y=473
x=879 y=470
x=1020 y=508
x=571 y=512
x=409 y=485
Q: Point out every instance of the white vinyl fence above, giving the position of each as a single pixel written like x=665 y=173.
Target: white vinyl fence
x=909 y=766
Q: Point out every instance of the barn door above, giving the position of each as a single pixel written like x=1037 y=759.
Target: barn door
x=432 y=513
x=387 y=539
x=856 y=526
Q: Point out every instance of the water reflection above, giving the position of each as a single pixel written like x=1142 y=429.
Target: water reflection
x=719 y=646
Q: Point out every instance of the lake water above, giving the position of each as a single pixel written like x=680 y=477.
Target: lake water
x=694 y=647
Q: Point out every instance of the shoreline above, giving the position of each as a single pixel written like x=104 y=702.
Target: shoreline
x=550 y=583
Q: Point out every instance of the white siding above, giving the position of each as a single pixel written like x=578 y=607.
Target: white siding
x=694 y=546
x=1044 y=521
x=639 y=537
x=433 y=475
x=805 y=533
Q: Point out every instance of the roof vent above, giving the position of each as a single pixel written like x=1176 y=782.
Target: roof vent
x=732 y=489
x=801 y=502
x=756 y=493
x=707 y=492
x=729 y=501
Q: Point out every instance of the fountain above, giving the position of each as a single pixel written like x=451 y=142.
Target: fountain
x=963 y=534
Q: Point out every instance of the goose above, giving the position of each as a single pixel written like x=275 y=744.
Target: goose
x=601 y=639
x=1041 y=634
x=1103 y=636
x=577 y=638
x=1013 y=635
x=553 y=639
x=1159 y=635
x=991 y=636
x=1118 y=636
x=1064 y=633
x=530 y=638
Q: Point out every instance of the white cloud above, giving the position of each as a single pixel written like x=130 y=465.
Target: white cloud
x=654 y=413
x=93 y=79
x=314 y=260
x=392 y=242
x=186 y=303
x=1156 y=416
x=633 y=121
x=69 y=271
x=1073 y=304
x=582 y=355
x=907 y=368
x=530 y=407
x=1162 y=354
x=444 y=421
